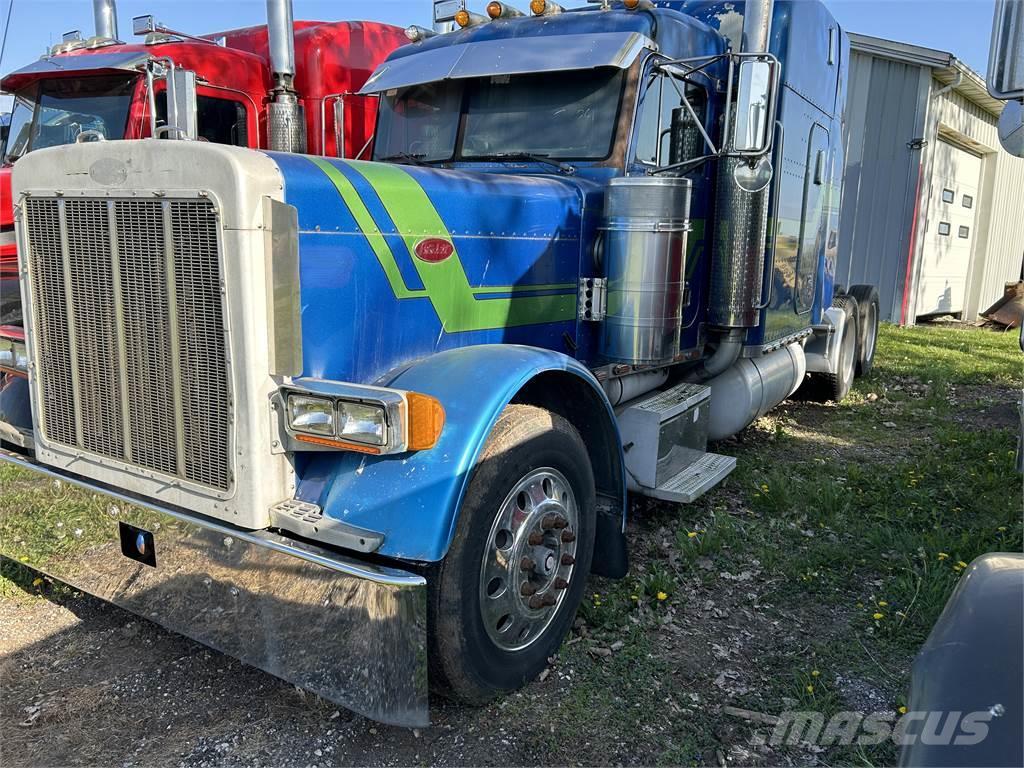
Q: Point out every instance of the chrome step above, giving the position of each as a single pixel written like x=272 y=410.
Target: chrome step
x=698 y=478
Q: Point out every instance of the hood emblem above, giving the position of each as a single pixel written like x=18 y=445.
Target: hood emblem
x=433 y=250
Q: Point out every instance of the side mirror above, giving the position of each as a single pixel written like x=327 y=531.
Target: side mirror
x=1011 y=128
x=181 y=104
x=750 y=132
x=1006 y=54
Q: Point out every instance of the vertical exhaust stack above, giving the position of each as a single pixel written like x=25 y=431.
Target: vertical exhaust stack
x=742 y=217
x=105 y=14
x=286 y=122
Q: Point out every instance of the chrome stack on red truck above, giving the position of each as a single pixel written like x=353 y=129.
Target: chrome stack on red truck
x=369 y=424
x=236 y=88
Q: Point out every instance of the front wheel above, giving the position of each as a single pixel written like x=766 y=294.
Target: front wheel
x=505 y=595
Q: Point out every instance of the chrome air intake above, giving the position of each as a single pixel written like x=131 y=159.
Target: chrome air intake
x=129 y=327
x=646 y=220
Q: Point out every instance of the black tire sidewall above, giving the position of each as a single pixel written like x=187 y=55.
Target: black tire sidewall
x=475 y=668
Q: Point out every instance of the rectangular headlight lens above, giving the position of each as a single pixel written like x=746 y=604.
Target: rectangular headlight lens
x=362 y=423
x=312 y=415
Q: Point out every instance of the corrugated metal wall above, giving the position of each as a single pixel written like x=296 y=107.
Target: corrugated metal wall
x=1000 y=248
x=886 y=109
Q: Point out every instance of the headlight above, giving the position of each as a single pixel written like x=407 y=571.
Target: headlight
x=312 y=415
x=356 y=417
x=362 y=423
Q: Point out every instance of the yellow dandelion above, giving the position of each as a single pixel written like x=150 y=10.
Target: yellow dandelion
x=662 y=596
x=24 y=558
x=943 y=556
x=810 y=688
x=882 y=603
x=1001 y=529
x=36 y=582
x=691 y=535
x=815 y=673
x=902 y=710
x=634 y=597
x=876 y=616
x=961 y=564
x=597 y=603
x=764 y=487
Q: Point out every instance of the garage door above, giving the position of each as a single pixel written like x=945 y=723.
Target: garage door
x=950 y=231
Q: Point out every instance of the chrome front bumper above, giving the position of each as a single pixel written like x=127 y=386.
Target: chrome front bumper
x=351 y=632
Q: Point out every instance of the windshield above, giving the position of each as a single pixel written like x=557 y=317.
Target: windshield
x=54 y=112
x=565 y=115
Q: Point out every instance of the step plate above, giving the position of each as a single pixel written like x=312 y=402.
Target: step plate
x=698 y=478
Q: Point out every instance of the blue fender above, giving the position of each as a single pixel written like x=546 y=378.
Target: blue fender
x=414 y=498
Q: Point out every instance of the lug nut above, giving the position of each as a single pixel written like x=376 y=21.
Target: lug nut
x=568 y=559
x=536 y=539
x=553 y=521
x=542 y=601
x=527 y=564
x=568 y=535
x=561 y=583
x=527 y=589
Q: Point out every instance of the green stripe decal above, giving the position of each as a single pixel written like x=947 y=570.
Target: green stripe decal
x=445 y=282
x=369 y=229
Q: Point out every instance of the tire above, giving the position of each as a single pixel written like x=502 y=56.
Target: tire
x=534 y=466
x=823 y=387
x=867 y=326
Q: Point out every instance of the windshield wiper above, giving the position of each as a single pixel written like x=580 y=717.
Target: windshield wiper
x=417 y=159
x=565 y=168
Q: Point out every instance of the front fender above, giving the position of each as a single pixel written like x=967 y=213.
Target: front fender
x=414 y=498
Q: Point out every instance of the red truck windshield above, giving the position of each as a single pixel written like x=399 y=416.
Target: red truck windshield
x=565 y=115
x=54 y=112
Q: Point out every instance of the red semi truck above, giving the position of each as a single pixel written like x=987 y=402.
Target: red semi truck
x=286 y=85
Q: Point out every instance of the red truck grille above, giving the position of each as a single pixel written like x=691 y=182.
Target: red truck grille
x=130 y=343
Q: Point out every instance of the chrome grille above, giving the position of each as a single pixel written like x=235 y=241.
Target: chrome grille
x=129 y=332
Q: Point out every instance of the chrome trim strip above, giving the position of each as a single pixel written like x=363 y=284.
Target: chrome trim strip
x=174 y=338
x=69 y=300
x=122 y=367
x=352 y=632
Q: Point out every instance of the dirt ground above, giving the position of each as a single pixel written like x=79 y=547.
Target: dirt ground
x=760 y=596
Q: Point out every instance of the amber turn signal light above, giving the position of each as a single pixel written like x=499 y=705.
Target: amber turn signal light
x=425 y=421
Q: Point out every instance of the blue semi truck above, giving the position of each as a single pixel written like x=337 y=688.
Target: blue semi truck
x=370 y=424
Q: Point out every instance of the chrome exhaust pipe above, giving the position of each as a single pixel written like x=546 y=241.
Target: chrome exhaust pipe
x=286 y=121
x=105 y=15
x=739 y=248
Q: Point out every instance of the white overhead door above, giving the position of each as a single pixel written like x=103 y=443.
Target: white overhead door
x=950 y=232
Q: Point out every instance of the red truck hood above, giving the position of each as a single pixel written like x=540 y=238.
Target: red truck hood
x=6 y=201
x=8 y=251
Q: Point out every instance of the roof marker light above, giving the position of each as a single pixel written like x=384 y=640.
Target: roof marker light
x=465 y=18
x=545 y=8
x=632 y=5
x=416 y=33
x=498 y=10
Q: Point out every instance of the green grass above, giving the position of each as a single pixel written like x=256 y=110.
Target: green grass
x=860 y=517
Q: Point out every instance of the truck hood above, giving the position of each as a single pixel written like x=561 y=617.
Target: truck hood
x=413 y=260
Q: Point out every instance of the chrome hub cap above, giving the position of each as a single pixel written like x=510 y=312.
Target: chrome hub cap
x=529 y=560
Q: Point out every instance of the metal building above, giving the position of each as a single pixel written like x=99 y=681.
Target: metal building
x=932 y=208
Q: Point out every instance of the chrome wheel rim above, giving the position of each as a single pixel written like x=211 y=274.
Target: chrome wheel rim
x=849 y=357
x=529 y=559
x=871 y=334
